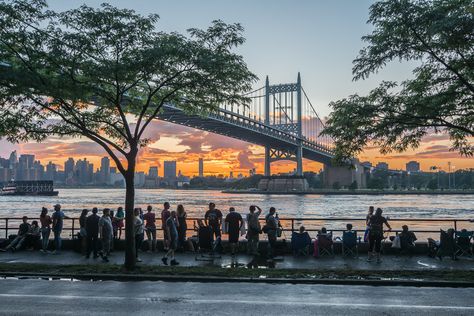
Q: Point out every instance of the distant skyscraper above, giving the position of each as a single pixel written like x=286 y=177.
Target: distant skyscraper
x=201 y=167
x=169 y=170
x=105 y=169
x=69 y=168
x=413 y=166
x=25 y=170
x=51 y=171
x=84 y=171
x=153 y=172
x=382 y=166
x=13 y=160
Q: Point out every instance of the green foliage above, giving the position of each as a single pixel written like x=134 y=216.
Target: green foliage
x=438 y=35
x=105 y=73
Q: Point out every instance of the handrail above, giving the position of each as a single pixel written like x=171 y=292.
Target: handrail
x=288 y=223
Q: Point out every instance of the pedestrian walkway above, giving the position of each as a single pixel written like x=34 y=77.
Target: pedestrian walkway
x=390 y=262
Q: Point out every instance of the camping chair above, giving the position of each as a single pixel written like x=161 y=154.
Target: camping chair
x=407 y=245
x=325 y=245
x=463 y=242
x=206 y=245
x=447 y=244
x=300 y=243
x=349 y=244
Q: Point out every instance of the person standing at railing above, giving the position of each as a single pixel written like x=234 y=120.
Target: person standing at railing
x=254 y=229
x=172 y=233
x=106 y=234
x=271 y=227
x=376 y=223
x=92 y=232
x=83 y=231
x=234 y=221
x=139 y=232
x=182 y=226
x=46 y=222
x=150 y=228
x=367 y=220
x=213 y=218
x=118 y=219
x=58 y=221
x=164 y=216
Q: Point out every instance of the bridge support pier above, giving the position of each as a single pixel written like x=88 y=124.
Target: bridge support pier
x=299 y=161
x=267 y=171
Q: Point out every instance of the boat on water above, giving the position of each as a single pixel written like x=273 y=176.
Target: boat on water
x=43 y=188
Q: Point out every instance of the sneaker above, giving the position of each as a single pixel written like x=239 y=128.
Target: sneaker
x=379 y=260
x=369 y=259
x=165 y=261
x=105 y=259
x=139 y=260
x=174 y=262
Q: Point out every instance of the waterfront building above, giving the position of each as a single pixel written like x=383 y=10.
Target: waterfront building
x=104 y=170
x=153 y=172
x=413 y=166
x=381 y=166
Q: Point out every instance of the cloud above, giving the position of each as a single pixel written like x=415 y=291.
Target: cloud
x=244 y=160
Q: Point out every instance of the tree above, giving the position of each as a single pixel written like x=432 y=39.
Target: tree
x=105 y=74
x=440 y=98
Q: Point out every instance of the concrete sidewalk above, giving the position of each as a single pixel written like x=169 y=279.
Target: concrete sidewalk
x=390 y=262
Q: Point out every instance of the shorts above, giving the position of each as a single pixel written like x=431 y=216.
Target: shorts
x=174 y=244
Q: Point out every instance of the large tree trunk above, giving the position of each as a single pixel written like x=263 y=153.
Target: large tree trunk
x=130 y=251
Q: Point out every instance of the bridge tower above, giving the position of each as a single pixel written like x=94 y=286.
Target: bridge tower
x=284 y=110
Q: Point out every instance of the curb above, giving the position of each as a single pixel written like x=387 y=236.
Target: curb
x=215 y=279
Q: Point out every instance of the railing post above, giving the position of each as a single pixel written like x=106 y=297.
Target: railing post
x=6 y=228
x=292 y=225
x=455 y=225
x=73 y=221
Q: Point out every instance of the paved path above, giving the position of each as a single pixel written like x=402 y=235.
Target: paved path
x=338 y=262
x=41 y=297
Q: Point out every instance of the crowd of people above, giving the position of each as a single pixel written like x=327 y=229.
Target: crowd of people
x=98 y=232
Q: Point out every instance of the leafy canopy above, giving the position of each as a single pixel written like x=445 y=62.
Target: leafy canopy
x=105 y=73
x=439 y=35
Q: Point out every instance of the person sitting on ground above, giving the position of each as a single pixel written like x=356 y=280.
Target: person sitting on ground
x=300 y=241
x=407 y=239
x=17 y=243
x=33 y=237
x=172 y=233
x=234 y=221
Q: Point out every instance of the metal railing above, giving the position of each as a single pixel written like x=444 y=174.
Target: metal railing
x=9 y=225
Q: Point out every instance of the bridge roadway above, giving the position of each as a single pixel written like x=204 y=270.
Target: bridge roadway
x=237 y=126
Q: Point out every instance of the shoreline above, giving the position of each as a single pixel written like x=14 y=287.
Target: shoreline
x=343 y=192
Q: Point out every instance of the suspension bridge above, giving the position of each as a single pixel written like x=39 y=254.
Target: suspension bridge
x=279 y=117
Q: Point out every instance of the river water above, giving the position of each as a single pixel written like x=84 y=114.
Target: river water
x=302 y=206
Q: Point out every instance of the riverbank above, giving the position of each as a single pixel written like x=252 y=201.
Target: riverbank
x=354 y=192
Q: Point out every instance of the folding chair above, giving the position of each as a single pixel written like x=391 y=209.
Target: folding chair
x=349 y=244
x=463 y=242
x=447 y=244
x=300 y=243
x=325 y=245
x=206 y=245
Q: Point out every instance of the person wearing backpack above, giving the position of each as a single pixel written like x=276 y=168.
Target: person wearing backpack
x=376 y=223
x=254 y=229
